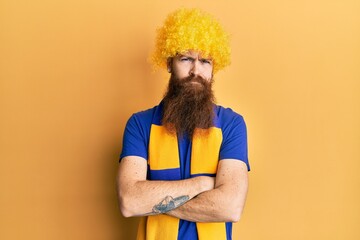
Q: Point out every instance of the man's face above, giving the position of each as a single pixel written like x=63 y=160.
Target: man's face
x=191 y=63
x=189 y=100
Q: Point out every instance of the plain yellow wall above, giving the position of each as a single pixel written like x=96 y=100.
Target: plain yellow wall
x=72 y=72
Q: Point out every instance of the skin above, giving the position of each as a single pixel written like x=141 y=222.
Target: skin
x=199 y=199
x=225 y=202
x=191 y=63
x=140 y=197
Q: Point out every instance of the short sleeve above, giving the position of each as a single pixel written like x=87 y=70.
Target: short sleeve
x=234 y=145
x=135 y=141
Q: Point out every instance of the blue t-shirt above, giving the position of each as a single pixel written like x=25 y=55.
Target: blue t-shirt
x=234 y=146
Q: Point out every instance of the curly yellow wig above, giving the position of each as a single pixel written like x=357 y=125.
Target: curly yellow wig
x=192 y=29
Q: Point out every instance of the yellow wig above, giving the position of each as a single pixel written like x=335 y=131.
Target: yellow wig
x=192 y=29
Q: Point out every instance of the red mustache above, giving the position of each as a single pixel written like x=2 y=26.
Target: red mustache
x=197 y=79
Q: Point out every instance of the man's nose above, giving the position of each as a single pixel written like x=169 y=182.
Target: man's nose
x=195 y=68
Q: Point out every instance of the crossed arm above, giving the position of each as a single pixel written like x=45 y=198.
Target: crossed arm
x=199 y=199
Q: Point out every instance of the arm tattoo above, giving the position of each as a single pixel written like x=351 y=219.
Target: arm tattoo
x=169 y=203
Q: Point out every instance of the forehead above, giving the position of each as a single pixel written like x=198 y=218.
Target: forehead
x=193 y=54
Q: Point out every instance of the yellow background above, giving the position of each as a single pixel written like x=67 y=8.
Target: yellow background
x=72 y=72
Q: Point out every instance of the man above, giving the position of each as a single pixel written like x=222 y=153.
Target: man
x=184 y=162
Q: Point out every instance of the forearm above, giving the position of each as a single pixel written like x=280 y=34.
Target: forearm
x=145 y=197
x=224 y=203
x=212 y=206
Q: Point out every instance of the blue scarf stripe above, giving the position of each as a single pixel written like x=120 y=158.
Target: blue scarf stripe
x=166 y=174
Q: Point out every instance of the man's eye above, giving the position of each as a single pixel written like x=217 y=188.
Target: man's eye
x=206 y=61
x=184 y=59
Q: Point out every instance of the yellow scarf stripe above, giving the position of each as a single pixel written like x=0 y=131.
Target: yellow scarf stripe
x=163 y=149
x=211 y=231
x=205 y=151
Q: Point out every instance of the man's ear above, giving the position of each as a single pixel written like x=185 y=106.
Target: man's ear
x=169 y=64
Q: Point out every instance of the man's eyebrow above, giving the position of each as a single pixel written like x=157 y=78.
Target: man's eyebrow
x=186 y=56
x=183 y=55
x=179 y=55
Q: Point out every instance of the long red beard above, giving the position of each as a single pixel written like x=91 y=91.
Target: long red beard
x=188 y=104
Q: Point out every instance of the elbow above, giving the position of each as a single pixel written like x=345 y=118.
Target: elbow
x=125 y=212
x=126 y=208
x=130 y=202
x=126 y=202
x=235 y=216
x=227 y=215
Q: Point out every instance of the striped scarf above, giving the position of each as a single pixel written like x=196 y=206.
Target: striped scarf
x=164 y=164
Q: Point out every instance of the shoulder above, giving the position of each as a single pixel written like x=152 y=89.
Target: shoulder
x=144 y=117
x=140 y=122
x=226 y=116
x=137 y=133
x=144 y=114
